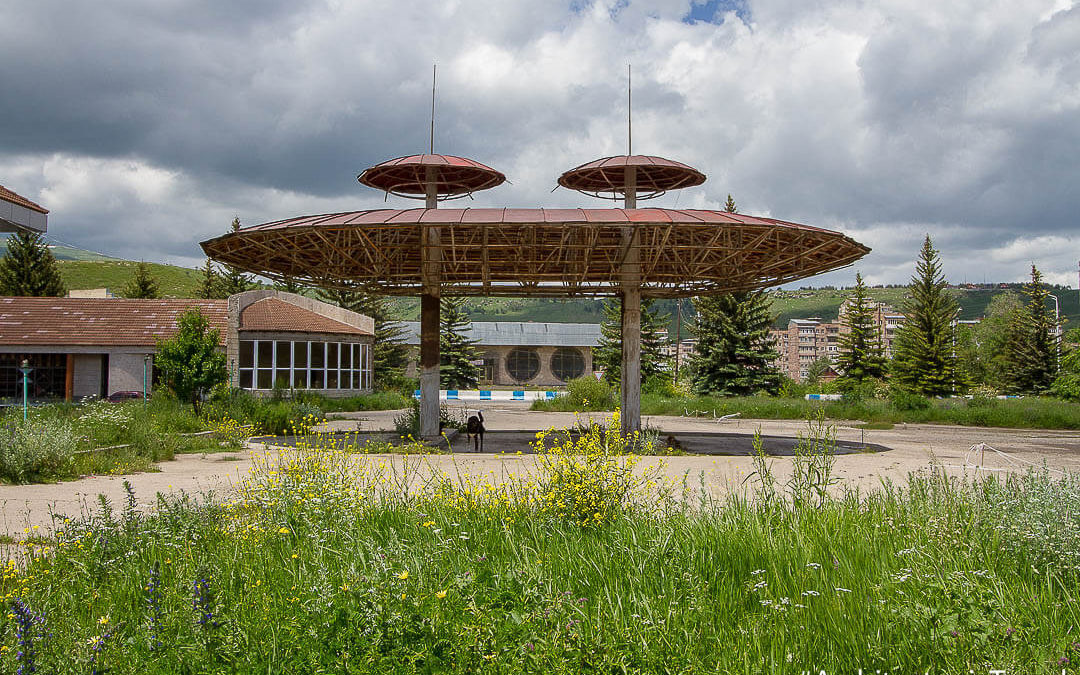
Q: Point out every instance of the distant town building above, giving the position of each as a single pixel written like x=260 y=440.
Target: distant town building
x=805 y=341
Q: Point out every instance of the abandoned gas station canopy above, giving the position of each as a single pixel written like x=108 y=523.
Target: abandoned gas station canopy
x=537 y=252
x=450 y=177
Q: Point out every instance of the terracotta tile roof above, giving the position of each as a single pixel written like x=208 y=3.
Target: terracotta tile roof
x=272 y=314
x=10 y=196
x=105 y=322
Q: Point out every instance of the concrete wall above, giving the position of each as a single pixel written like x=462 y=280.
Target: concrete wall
x=87 y=376
x=544 y=378
x=126 y=372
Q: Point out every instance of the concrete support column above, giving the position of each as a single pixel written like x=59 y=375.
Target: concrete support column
x=430 y=260
x=631 y=316
x=429 y=366
x=631 y=359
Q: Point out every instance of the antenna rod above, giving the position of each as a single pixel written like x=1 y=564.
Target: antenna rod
x=629 y=117
x=431 y=144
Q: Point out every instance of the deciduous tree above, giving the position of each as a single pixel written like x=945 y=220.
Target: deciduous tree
x=191 y=360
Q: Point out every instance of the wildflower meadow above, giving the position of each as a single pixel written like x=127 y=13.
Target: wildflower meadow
x=326 y=561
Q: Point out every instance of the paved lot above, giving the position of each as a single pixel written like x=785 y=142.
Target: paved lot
x=906 y=448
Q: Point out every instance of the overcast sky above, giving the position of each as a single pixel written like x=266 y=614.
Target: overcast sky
x=145 y=127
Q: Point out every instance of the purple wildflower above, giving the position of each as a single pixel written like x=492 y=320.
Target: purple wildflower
x=203 y=603
x=153 y=606
x=28 y=629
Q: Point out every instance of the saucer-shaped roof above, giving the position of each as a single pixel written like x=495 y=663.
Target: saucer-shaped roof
x=409 y=176
x=606 y=178
x=537 y=252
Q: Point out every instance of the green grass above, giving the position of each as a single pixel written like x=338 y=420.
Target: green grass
x=1027 y=413
x=326 y=565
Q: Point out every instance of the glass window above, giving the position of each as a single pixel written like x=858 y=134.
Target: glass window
x=284 y=355
x=332 y=379
x=318 y=355
x=266 y=353
x=265 y=379
x=317 y=379
x=523 y=364
x=567 y=363
x=332 y=355
x=300 y=350
x=245 y=379
x=247 y=354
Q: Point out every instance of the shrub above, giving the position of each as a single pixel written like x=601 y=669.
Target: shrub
x=903 y=400
x=37 y=450
x=407 y=423
x=588 y=393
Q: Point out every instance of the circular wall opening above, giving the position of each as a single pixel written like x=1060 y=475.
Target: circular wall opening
x=523 y=364
x=567 y=363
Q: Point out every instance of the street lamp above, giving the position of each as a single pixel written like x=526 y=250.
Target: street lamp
x=25 y=370
x=1057 y=330
x=145 y=369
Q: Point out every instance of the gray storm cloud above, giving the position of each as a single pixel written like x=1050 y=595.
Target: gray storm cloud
x=146 y=127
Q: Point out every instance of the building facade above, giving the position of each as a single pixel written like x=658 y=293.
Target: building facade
x=93 y=347
x=805 y=341
x=514 y=353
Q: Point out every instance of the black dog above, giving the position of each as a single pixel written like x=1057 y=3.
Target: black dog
x=474 y=429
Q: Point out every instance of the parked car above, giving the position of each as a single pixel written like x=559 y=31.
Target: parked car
x=121 y=396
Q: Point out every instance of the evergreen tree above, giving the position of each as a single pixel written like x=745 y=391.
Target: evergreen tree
x=861 y=356
x=924 y=358
x=390 y=355
x=210 y=285
x=456 y=352
x=192 y=361
x=730 y=206
x=232 y=279
x=29 y=269
x=291 y=285
x=1031 y=345
x=735 y=353
x=608 y=353
x=142 y=285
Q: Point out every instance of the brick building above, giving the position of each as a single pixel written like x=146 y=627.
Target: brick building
x=94 y=347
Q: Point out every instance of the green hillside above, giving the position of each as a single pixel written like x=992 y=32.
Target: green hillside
x=824 y=303
x=175 y=282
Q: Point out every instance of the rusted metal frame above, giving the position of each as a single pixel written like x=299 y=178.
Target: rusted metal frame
x=803 y=254
x=657 y=249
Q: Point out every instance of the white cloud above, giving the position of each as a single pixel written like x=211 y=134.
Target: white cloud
x=146 y=128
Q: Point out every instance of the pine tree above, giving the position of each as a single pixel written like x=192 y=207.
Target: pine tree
x=232 y=279
x=1031 y=345
x=142 y=285
x=456 y=352
x=924 y=358
x=730 y=206
x=210 y=285
x=735 y=353
x=861 y=356
x=608 y=353
x=390 y=355
x=290 y=285
x=29 y=269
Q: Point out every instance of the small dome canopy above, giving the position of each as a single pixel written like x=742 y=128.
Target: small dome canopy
x=606 y=177
x=454 y=177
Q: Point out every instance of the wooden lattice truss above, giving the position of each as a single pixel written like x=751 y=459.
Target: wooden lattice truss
x=536 y=252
